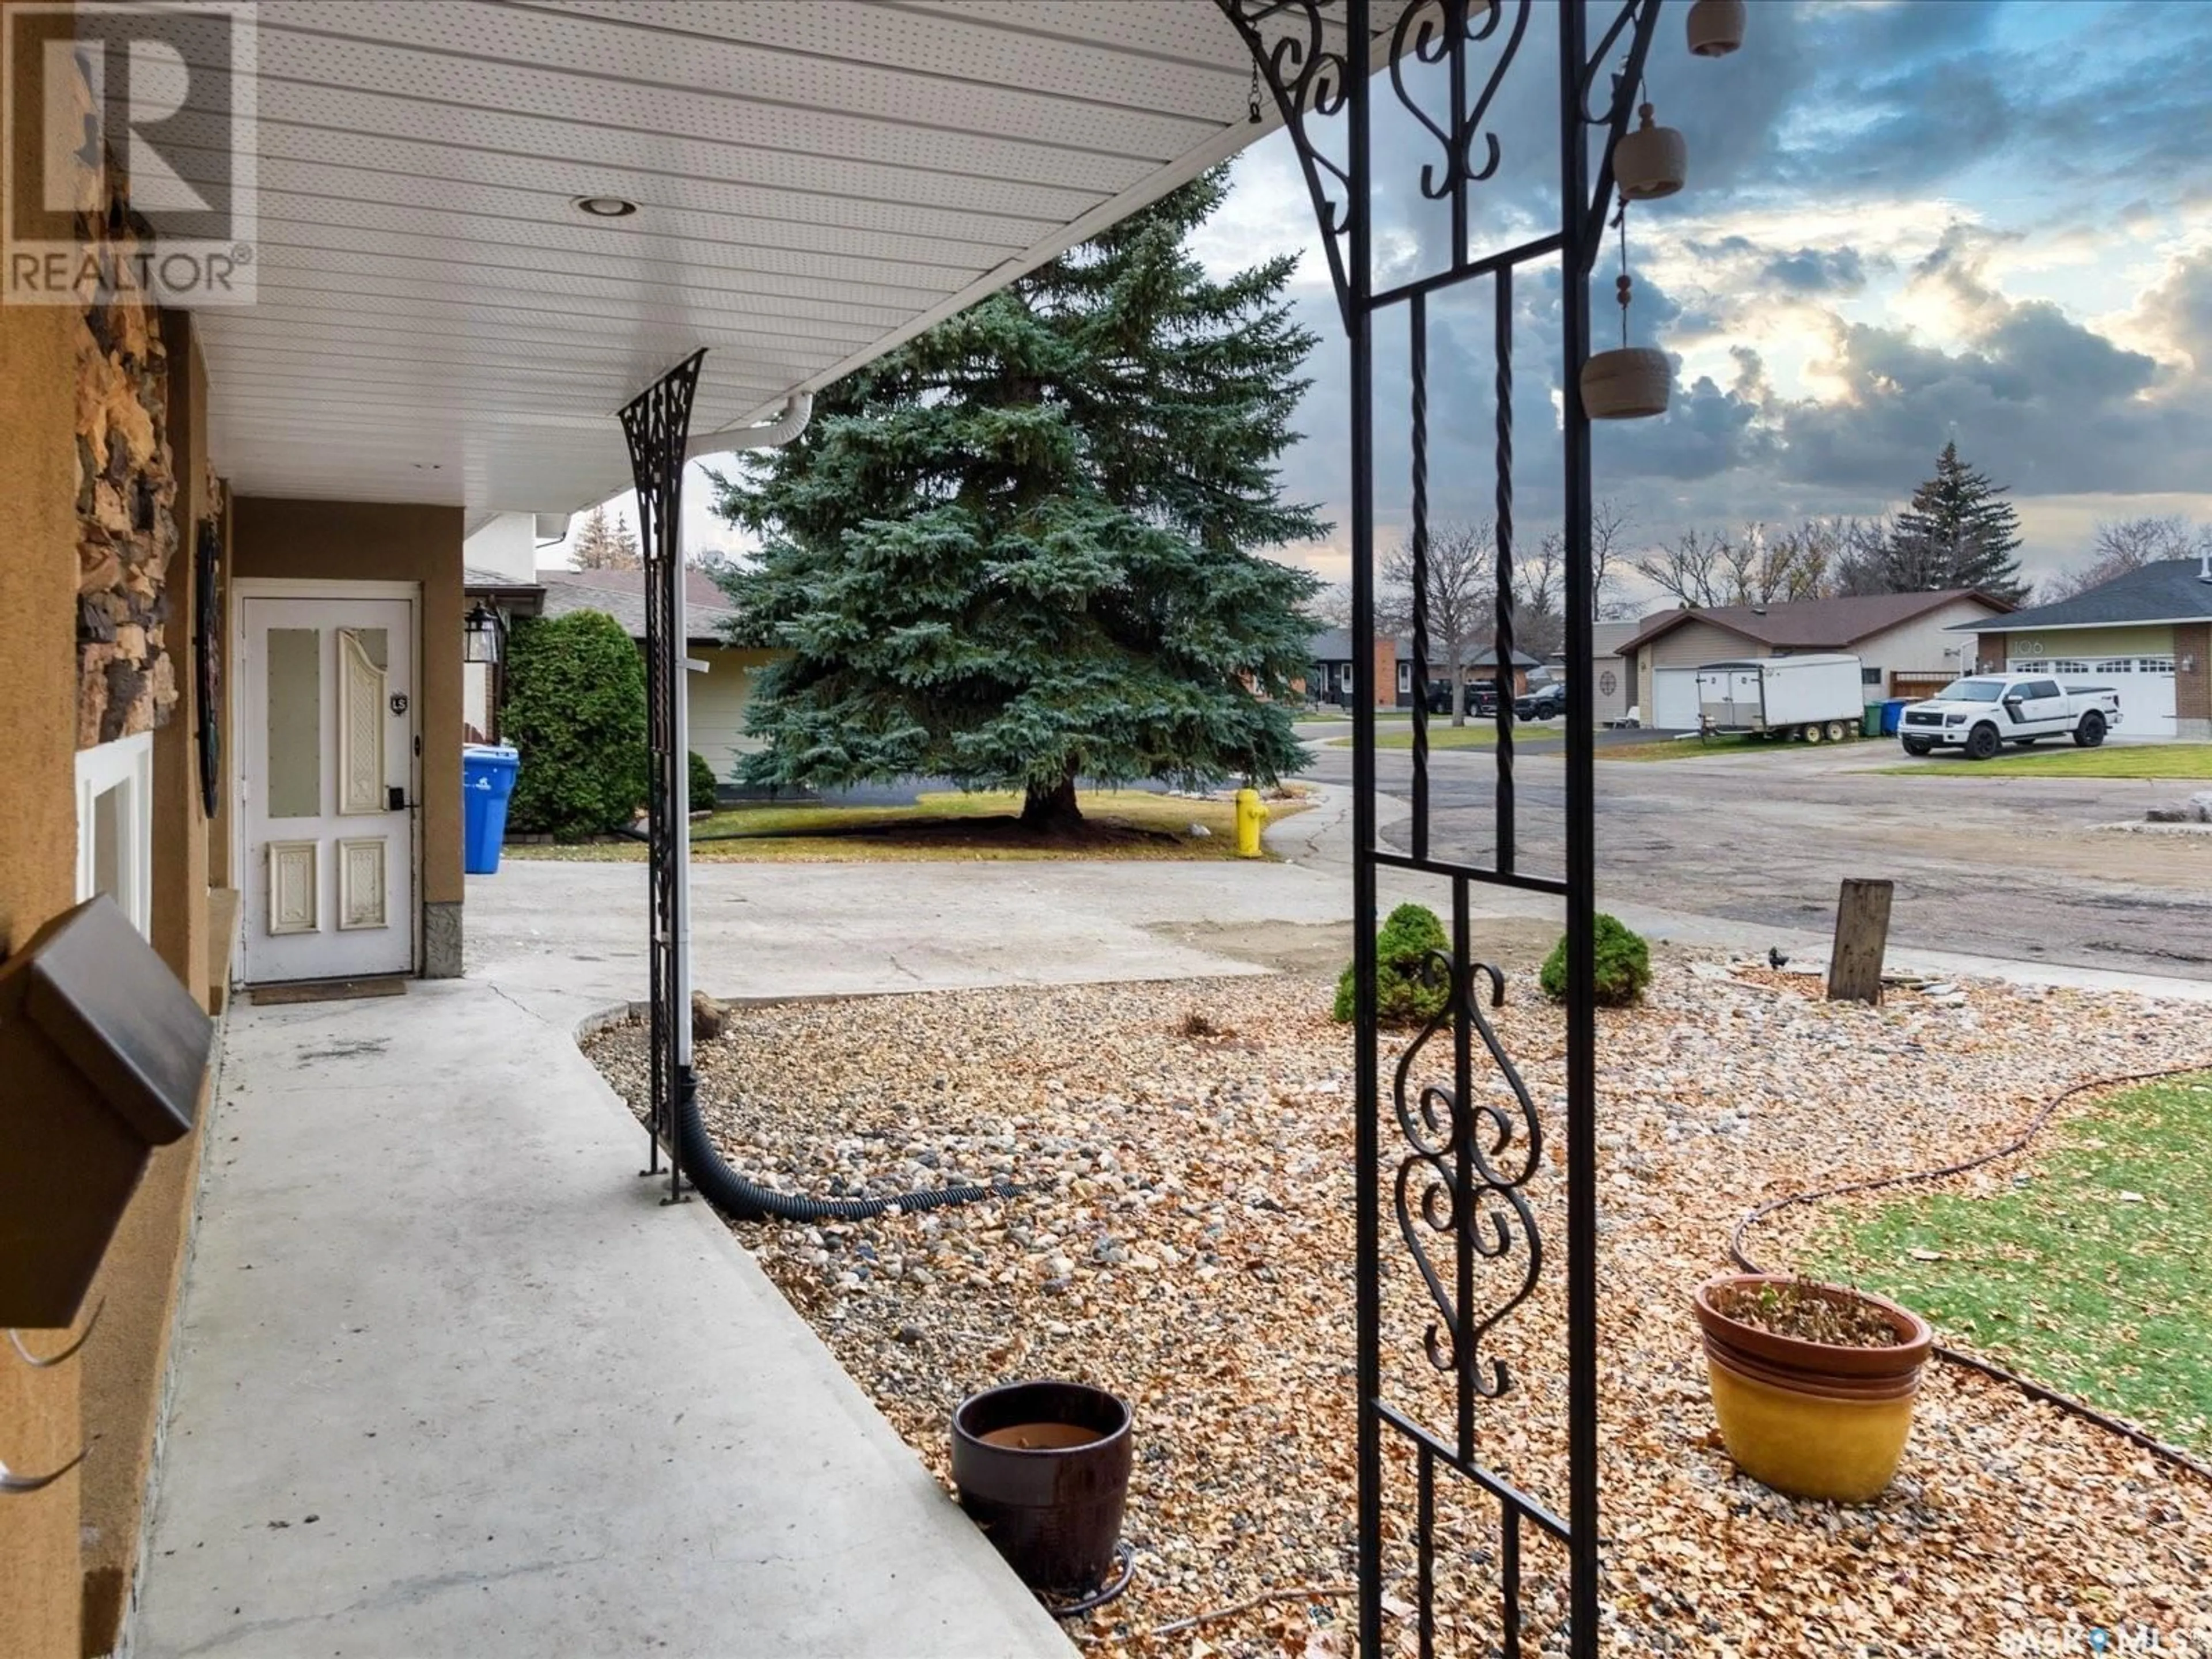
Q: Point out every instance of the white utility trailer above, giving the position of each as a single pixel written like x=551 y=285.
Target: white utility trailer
x=1813 y=697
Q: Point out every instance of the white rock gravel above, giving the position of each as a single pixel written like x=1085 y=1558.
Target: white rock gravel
x=1185 y=1238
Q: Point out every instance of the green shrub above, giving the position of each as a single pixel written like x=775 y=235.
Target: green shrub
x=1624 y=965
x=703 y=781
x=1402 y=996
x=575 y=710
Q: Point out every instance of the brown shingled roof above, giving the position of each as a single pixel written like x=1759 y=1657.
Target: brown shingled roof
x=1811 y=624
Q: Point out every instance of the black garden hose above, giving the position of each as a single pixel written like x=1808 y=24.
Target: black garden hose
x=2159 y=1448
x=748 y=1201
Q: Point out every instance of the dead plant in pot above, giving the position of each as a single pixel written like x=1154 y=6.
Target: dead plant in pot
x=1813 y=1383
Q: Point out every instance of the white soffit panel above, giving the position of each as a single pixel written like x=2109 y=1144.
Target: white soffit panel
x=815 y=180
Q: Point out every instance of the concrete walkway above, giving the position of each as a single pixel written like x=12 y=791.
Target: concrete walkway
x=450 y=1382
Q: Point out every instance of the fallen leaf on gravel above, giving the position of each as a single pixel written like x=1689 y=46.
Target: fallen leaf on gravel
x=1229 y=1167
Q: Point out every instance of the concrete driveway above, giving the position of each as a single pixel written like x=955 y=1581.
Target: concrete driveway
x=1740 y=851
x=1752 y=844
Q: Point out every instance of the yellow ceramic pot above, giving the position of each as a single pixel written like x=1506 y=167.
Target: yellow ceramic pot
x=1810 y=1445
x=1813 y=1419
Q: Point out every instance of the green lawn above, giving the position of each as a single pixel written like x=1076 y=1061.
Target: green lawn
x=2063 y=760
x=1118 y=824
x=2093 y=1276
x=1479 y=733
x=1666 y=749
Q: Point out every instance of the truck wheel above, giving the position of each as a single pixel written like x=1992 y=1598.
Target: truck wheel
x=2091 y=732
x=1982 y=742
x=1812 y=734
x=1918 y=748
x=1835 y=732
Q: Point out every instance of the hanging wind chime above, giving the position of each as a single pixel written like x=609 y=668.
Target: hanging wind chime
x=1633 y=382
x=1629 y=382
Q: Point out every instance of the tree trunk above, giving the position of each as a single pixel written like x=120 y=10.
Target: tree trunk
x=1458 y=684
x=1052 y=807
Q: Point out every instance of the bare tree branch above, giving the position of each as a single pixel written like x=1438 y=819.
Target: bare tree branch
x=1460 y=599
x=2126 y=545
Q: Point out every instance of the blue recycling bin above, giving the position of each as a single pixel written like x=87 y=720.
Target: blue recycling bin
x=487 y=771
x=1892 y=713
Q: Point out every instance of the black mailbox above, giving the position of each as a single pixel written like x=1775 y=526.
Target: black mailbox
x=101 y=1055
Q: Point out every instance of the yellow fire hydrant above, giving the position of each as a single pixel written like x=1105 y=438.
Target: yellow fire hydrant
x=1250 y=815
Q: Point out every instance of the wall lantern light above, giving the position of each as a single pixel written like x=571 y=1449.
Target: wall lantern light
x=480 y=638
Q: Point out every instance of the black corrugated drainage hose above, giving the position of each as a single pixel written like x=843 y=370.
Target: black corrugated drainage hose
x=748 y=1201
x=2128 y=1431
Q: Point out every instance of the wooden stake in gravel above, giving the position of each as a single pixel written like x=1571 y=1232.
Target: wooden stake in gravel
x=1861 y=940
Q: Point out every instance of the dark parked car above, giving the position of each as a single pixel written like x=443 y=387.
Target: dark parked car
x=1481 y=697
x=1545 y=702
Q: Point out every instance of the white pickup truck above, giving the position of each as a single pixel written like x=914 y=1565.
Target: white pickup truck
x=1982 y=712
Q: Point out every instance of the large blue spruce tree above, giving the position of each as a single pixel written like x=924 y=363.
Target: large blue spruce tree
x=1024 y=548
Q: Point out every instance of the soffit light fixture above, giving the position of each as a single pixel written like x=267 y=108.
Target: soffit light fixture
x=606 y=207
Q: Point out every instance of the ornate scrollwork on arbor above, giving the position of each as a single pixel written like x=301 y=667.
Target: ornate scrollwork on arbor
x=1470 y=1159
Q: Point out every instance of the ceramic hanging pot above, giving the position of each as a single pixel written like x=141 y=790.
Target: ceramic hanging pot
x=1650 y=162
x=1716 y=27
x=1626 y=383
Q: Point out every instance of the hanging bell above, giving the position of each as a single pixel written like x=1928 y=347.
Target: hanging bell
x=1716 y=27
x=1650 y=162
x=1626 y=383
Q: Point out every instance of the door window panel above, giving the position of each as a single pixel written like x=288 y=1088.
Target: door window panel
x=295 y=722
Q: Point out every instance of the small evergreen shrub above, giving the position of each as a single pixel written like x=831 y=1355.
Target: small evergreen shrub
x=575 y=710
x=703 y=781
x=1402 y=996
x=1624 y=965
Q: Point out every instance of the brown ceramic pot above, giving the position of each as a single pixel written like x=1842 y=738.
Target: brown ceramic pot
x=1814 y=1420
x=1043 y=1469
x=1816 y=1359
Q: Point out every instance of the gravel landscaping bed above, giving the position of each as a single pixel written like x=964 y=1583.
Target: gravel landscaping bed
x=1185 y=1238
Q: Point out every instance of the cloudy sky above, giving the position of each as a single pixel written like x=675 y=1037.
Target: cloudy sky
x=1906 y=220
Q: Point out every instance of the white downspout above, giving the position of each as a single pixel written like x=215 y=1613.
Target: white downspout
x=797 y=409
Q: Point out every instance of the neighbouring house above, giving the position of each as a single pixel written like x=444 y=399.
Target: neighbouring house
x=722 y=675
x=1905 y=643
x=1331 y=679
x=2148 y=634
x=1612 y=686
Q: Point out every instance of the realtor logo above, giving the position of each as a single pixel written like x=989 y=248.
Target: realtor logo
x=128 y=151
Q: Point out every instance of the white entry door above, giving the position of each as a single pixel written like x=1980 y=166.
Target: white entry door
x=327 y=767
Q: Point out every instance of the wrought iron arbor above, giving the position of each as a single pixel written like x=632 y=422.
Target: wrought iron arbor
x=1458 y=1176
x=657 y=423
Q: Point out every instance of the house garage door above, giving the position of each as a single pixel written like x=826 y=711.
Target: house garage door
x=1673 y=699
x=2145 y=685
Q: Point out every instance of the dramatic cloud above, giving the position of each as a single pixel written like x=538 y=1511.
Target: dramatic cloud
x=1905 y=223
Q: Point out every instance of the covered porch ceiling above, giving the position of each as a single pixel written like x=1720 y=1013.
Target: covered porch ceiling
x=815 y=180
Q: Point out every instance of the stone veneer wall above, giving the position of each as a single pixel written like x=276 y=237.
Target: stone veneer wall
x=126 y=511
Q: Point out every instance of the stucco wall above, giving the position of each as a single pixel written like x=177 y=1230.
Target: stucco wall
x=370 y=541
x=38 y=1409
x=126 y=1362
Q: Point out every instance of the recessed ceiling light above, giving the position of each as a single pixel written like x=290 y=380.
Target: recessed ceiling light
x=606 y=207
